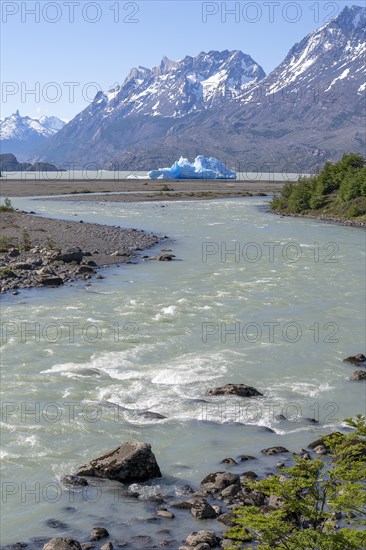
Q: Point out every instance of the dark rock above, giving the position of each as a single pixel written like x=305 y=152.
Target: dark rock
x=26 y=266
x=304 y=454
x=356 y=359
x=227 y=519
x=321 y=450
x=163 y=257
x=359 y=375
x=83 y=269
x=56 y=524
x=229 y=461
x=99 y=533
x=13 y=253
x=218 y=481
x=74 y=480
x=249 y=475
x=321 y=440
x=185 y=505
x=131 y=462
x=274 y=450
x=61 y=543
x=230 y=491
x=252 y=497
x=165 y=514
x=240 y=390
x=151 y=415
x=201 y=509
x=71 y=255
x=51 y=281
x=244 y=458
x=202 y=537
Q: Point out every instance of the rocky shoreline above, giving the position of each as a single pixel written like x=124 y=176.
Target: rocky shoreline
x=329 y=219
x=43 y=252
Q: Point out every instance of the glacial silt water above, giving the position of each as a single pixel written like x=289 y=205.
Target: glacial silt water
x=275 y=303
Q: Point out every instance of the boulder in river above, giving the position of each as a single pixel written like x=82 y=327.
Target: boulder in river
x=129 y=463
x=201 y=509
x=61 y=543
x=218 y=481
x=274 y=450
x=359 y=375
x=240 y=390
x=357 y=360
x=99 y=533
x=201 y=537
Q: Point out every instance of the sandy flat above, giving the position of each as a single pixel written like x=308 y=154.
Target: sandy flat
x=138 y=190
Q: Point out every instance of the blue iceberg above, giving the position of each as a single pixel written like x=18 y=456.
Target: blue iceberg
x=201 y=168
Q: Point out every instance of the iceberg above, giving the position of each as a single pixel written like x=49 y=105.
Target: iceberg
x=201 y=168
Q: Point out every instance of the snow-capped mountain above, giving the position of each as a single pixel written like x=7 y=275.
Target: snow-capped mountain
x=309 y=109
x=177 y=88
x=21 y=133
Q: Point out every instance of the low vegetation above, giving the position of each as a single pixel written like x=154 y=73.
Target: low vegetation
x=6 y=206
x=316 y=504
x=339 y=191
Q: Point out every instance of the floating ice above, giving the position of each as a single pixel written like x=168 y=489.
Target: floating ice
x=201 y=168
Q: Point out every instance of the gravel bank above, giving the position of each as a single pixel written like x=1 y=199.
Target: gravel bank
x=37 y=251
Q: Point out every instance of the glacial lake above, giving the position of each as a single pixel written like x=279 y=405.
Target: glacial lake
x=275 y=303
x=95 y=175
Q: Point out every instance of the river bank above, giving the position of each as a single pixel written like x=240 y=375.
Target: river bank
x=45 y=252
x=322 y=218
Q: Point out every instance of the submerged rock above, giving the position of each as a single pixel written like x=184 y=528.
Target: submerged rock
x=274 y=450
x=131 y=462
x=240 y=390
x=229 y=461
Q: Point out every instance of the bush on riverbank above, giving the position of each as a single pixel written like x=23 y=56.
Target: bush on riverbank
x=307 y=500
x=339 y=191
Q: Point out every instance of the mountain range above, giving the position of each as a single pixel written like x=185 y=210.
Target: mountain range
x=309 y=109
x=21 y=134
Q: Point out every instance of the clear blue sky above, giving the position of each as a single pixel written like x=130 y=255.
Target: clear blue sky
x=64 y=45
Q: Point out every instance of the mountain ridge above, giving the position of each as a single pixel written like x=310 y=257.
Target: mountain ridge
x=307 y=110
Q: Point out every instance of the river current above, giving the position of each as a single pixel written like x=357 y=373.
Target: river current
x=275 y=303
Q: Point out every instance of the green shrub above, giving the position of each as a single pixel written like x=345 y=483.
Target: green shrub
x=308 y=495
x=6 y=206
